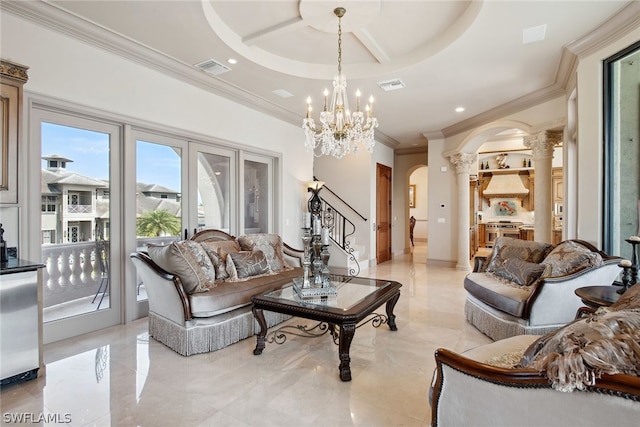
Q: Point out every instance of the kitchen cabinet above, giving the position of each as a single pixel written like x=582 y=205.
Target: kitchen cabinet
x=473 y=245
x=12 y=78
x=531 y=199
x=557 y=188
x=526 y=233
x=557 y=236
x=482 y=235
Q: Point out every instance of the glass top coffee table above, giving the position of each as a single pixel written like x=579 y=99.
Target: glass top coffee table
x=356 y=301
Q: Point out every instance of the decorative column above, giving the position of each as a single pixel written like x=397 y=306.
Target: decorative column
x=542 y=145
x=462 y=163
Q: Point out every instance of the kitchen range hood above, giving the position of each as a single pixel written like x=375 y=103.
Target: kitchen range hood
x=505 y=185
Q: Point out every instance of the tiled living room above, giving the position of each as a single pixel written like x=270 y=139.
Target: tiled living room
x=136 y=124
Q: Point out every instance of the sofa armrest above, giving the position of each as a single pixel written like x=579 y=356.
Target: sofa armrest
x=167 y=296
x=468 y=392
x=293 y=257
x=551 y=291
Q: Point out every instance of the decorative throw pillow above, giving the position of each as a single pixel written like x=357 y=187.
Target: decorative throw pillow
x=218 y=264
x=217 y=251
x=574 y=356
x=245 y=264
x=269 y=244
x=507 y=248
x=507 y=360
x=629 y=300
x=520 y=272
x=569 y=257
x=187 y=260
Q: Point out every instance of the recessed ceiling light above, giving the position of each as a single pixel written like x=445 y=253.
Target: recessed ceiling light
x=459 y=109
x=232 y=61
x=534 y=34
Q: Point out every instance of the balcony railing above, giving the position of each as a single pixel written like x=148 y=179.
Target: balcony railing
x=79 y=209
x=72 y=270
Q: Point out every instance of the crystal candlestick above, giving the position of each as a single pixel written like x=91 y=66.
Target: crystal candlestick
x=325 y=265
x=317 y=264
x=306 y=259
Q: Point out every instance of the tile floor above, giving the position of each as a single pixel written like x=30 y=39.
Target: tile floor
x=120 y=377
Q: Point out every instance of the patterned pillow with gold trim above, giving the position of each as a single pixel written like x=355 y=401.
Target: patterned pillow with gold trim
x=217 y=251
x=520 y=272
x=270 y=245
x=569 y=257
x=187 y=260
x=507 y=248
x=247 y=264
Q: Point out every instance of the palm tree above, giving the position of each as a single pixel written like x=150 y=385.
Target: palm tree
x=156 y=223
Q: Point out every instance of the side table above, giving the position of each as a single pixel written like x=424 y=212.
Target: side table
x=598 y=296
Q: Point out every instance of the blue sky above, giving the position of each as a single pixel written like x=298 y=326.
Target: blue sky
x=89 y=150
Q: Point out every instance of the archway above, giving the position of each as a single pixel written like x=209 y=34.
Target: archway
x=417 y=179
x=464 y=158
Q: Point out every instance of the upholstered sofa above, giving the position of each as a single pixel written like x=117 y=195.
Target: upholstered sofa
x=200 y=289
x=527 y=287
x=586 y=374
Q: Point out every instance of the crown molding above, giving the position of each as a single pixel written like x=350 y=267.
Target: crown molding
x=411 y=150
x=625 y=21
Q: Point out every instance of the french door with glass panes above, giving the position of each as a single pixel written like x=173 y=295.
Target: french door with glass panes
x=76 y=231
x=156 y=211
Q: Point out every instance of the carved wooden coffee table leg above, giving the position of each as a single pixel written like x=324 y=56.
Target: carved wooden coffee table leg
x=260 y=338
x=392 y=317
x=346 y=336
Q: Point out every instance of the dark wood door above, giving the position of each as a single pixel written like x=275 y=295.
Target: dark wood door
x=383 y=214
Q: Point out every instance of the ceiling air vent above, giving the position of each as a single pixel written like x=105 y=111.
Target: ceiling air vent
x=212 y=66
x=391 y=85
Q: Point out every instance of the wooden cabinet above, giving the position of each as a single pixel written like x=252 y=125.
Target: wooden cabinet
x=557 y=192
x=12 y=78
x=482 y=235
x=557 y=236
x=557 y=187
x=527 y=234
x=473 y=246
x=531 y=199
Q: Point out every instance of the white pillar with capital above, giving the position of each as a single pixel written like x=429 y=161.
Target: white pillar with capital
x=542 y=146
x=462 y=163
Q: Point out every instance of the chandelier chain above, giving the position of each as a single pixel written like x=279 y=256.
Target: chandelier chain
x=340 y=45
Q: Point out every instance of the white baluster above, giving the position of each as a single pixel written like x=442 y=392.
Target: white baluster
x=76 y=267
x=64 y=264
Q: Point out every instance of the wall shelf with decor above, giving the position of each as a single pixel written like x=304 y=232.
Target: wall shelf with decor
x=499 y=160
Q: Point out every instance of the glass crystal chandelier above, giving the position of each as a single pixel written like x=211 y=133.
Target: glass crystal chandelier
x=340 y=132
